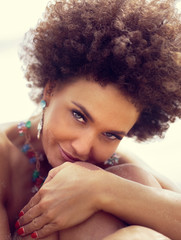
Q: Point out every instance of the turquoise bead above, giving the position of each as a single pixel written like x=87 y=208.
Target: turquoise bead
x=35 y=175
x=43 y=104
x=28 y=124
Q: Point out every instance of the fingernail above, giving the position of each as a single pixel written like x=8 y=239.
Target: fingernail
x=17 y=224
x=34 y=235
x=21 y=214
x=20 y=231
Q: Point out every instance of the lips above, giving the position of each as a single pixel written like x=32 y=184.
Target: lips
x=67 y=157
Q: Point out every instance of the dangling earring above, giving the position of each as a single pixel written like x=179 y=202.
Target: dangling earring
x=40 y=124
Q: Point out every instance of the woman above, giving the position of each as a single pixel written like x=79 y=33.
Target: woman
x=105 y=70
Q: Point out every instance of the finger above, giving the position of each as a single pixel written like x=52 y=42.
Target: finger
x=53 y=172
x=30 y=215
x=51 y=175
x=34 y=225
x=34 y=201
x=28 y=237
x=47 y=230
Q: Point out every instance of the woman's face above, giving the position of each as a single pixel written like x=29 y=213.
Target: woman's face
x=84 y=121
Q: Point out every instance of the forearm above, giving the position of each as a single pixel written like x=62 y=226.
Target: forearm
x=146 y=206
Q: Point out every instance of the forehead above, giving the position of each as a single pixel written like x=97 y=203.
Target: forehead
x=106 y=104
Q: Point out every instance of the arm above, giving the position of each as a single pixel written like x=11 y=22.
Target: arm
x=130 y=201
x=127 y=157
x=137 y=204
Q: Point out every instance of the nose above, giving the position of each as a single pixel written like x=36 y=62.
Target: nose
x=83 y=145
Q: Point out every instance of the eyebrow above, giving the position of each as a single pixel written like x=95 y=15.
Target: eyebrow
x=88 y=115
x=122 y=133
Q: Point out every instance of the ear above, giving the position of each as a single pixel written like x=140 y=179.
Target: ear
x=49 y=91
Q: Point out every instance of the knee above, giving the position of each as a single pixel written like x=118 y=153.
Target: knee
x=136 y=232
x=134 y=173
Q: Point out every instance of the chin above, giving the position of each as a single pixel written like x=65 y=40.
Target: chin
x=54 y=165
x=54 y=161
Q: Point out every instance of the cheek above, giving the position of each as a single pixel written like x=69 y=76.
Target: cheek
x=58 y=125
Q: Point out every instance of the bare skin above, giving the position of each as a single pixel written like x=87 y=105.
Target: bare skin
x=136 y=233
x=73 y=137
x=76 y=124
x=109 y=224
x=14 y=167
x=104 y=225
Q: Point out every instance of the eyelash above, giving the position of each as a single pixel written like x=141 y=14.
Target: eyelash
x=78 y=115
x=114 y=135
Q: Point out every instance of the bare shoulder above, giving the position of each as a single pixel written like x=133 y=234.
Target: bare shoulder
x=4 y=183
x=5 y=146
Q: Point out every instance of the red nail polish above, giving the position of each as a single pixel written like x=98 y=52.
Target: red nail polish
x=21 y=214
x=34 y=235
x=20 y=231
x=17 y=224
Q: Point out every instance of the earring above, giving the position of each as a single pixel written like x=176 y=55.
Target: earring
x=40 y=124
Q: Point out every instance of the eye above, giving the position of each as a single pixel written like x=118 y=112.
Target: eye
x=112 y=136
x=78 y=116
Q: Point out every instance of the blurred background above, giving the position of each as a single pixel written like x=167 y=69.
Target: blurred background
x=16 y=17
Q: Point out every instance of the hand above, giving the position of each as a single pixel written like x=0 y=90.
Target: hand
x=68 y=197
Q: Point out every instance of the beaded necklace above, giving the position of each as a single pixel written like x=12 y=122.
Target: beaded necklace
x=33 y=156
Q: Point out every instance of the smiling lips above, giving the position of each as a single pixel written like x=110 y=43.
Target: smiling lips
x=67 y=157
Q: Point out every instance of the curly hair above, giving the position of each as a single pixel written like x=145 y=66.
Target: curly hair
x=133 y=44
